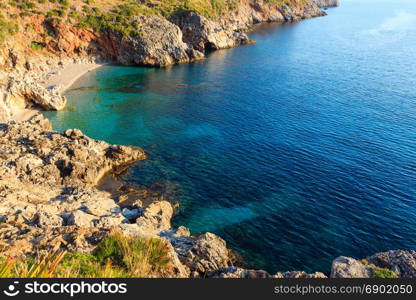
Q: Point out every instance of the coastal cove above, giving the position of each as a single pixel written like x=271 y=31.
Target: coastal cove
x=295 y=150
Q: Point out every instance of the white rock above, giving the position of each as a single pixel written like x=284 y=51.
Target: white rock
x=81 y=219
x=101 y=207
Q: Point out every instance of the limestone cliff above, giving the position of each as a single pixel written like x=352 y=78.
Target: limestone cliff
x=142 y=37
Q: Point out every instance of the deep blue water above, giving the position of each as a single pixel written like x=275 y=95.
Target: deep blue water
x=295 y=150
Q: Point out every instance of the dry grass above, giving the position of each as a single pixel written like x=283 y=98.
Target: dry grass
x=116 y=256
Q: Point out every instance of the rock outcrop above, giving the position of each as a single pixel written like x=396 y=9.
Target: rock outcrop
x=346 y=267
x=395 y=263
x=47 y=179
x=31 y=92
x=159 y=43
x=326 y=3
x=48 y=199
x=403 y=263
x=230 y=31
x=207 y=254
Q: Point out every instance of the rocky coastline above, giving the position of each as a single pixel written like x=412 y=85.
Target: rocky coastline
x=184 y=36
x=49 y=198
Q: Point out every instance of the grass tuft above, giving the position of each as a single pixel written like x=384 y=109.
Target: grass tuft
x=116 y=256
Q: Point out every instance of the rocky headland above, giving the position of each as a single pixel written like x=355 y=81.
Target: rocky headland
x=49 y=197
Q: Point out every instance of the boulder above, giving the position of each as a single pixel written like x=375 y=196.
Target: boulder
x=81 y=219
x=132 y=230
x=156 y=217
x=101 y=207
x=45 y=219
x=346 y=267
x=110 y=221
x=35 y=94
x=300 y=274
x=208 y=254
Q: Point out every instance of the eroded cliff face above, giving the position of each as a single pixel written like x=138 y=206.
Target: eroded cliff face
x=230 y=31
x=181 y=37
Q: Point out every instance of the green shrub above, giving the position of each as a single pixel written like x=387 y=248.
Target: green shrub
x=73 y=14
x=382 y=273
x=64 y=2
x=55 y=13
x=36 y=46
x=7 y=28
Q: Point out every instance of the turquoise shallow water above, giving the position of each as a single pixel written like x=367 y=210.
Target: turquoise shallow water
x=295 y=150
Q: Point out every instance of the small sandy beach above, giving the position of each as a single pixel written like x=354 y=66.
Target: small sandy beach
x=67 y=75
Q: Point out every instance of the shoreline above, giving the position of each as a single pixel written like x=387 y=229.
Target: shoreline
x=67 y=75
x=63 y=77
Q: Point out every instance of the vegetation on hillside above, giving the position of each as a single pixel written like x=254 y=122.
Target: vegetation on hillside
x=116 y=256
x=7 y=28
x=115 y=15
